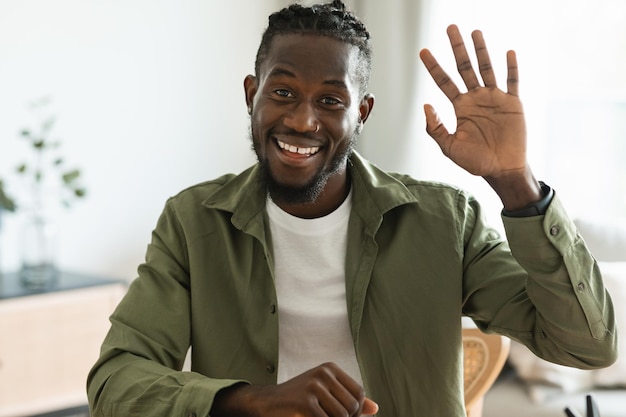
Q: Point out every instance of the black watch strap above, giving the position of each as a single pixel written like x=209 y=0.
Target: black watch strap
x=537 y=208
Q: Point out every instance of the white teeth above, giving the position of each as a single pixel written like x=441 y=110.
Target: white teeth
x=295 y=149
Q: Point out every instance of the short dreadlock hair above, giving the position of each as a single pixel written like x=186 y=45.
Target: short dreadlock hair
x=332 y=20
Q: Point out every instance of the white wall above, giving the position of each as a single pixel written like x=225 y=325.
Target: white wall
x=149 y=99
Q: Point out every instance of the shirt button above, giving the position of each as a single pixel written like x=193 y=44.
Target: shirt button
x=554 y=230
x=273 y=309
x=581 y=286
x=192 y=414
x=270 y=368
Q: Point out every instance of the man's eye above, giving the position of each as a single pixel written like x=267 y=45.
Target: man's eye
x=283 y=93
x=330 y=101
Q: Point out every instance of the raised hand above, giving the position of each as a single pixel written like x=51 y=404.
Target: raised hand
x=324 y=391
x=490 y=137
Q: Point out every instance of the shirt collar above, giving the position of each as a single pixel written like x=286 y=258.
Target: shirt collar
x=375 y=193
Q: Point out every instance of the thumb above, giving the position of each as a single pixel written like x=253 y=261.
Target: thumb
x=434 y=126
x=370 y=407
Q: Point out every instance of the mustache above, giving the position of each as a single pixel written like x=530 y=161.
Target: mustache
x=293 y=133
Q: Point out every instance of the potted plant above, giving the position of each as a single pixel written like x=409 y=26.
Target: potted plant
x=47 y=178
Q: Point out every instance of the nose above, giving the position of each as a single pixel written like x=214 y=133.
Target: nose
x=302 y=118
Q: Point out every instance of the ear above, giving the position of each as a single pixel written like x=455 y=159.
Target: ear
x=250 y=87
x=365 y=108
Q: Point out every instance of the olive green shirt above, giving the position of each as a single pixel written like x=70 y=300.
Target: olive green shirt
x=419 y=257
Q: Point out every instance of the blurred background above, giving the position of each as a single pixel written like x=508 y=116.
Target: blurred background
x=148 y=99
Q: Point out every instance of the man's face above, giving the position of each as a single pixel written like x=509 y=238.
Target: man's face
x=306 y=112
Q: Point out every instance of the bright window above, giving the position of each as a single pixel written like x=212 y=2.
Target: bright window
x=572 y=59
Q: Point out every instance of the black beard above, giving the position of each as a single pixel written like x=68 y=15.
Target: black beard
x=309 y=192
x=293 y=195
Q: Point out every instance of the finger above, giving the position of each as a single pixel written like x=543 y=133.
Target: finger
x=351 y=394
x=512 y=79
x=435 y=128
x=356 y=392
x=369 y=407
x=442 y=79
x=331 y=404
x=339 y=393
x=463 y=63
x=484 y=62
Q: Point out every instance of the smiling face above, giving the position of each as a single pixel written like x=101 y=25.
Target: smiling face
x=306 y=111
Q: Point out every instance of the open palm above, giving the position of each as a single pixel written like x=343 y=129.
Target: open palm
x=490 y=139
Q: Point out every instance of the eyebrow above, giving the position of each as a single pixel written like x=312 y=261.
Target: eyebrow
x=277 y=72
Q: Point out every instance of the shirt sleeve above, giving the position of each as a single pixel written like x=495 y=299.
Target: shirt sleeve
x=573 y=315
x=139 y=371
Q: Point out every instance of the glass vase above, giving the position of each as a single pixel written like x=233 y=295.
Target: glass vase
x=38 y=251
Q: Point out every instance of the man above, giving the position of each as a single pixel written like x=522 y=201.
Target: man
x=315 y=284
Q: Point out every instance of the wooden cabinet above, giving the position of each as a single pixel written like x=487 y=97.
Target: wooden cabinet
x=50 y=339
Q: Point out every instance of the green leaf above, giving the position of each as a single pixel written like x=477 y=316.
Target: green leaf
x=70 y=176
x=79 y=192
x=58 y=161
x=25 y=133
x=6 y=202
x=47 y=125
x=39 y=144
x=22 y=168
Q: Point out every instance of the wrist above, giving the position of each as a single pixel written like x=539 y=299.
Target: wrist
x=516 y=189
x=534 y=209
x=230 y=401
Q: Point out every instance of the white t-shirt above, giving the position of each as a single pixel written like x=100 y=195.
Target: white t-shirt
x=309 y=258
